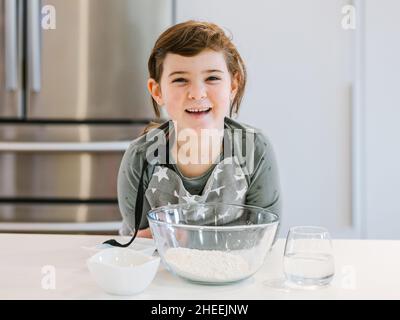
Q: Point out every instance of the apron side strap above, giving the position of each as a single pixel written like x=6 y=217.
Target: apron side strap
x=139 y=199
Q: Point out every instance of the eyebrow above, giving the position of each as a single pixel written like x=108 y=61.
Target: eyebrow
x=185 y=72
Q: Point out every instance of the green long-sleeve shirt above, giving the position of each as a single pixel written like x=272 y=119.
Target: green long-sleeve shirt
x=262 y=188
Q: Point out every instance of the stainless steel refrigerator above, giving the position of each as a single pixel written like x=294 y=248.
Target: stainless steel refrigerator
x=72 y=95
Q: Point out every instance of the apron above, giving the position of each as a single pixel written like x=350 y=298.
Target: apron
x=227 y=183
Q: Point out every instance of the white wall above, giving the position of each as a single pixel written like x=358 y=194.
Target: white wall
x=300 y=70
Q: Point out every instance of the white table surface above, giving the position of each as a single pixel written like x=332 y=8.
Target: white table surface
x=365 y=269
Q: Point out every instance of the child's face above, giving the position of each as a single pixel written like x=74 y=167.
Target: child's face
x=199 y=82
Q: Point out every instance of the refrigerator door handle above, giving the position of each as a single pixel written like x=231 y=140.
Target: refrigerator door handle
x=60 y=227
x=10 y=36
x=34 y=45
x=106 y=146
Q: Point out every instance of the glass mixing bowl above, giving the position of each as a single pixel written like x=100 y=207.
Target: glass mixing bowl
x=213 y=243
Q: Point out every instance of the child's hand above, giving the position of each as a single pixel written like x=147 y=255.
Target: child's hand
x=145 y=233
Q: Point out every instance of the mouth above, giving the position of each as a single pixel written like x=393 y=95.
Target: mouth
x=198 y=111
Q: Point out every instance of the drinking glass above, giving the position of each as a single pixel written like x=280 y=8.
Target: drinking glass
x=308 y=257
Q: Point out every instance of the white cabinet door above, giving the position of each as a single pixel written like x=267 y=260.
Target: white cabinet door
x=301 y=71
x=382 y=97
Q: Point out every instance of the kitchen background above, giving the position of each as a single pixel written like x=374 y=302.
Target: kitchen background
x=326 y=94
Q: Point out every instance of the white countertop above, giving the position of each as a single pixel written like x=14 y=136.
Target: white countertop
x=365 y=269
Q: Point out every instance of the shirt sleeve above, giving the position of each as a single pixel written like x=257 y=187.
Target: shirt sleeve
x=264 y=189
x=127 y=188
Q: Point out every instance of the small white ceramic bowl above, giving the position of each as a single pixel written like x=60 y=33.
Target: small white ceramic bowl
x=123 y=271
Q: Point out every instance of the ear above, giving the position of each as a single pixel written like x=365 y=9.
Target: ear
x=234 y=85
x=155 y=91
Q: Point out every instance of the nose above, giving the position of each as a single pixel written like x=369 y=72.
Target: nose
x=197 y=91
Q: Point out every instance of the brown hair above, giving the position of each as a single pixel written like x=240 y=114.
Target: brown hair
x=189 y=39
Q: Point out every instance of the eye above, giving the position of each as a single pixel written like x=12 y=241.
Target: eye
x=179 y=80
x=213 y=78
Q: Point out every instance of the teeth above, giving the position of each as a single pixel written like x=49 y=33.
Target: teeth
x=198 y=110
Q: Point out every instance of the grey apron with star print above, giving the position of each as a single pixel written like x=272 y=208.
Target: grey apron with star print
x=227 y=184
x=223 y=182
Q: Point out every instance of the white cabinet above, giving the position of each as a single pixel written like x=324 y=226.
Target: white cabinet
x=301 y=71
x=328 y=98
x=382 y=117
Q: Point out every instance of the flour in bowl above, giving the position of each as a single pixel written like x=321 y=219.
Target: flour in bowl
x=207 y=265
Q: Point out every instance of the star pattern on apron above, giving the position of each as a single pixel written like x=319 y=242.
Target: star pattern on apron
x=227 y=183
